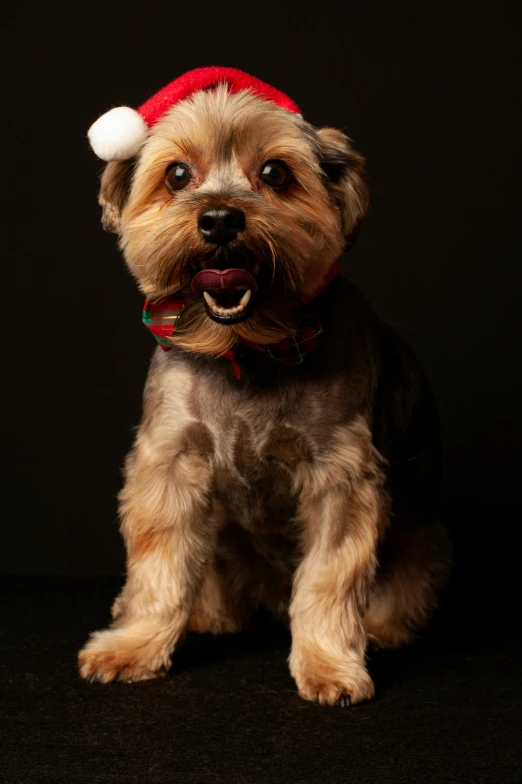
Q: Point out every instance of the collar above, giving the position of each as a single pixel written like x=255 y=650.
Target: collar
x=160 y=318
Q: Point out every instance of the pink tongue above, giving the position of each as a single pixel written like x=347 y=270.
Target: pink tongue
x=223 y=280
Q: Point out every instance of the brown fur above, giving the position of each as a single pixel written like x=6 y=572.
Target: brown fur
x=310 y=489
x=296 y=234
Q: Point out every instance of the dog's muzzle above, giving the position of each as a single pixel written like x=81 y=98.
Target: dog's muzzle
x=227 y=293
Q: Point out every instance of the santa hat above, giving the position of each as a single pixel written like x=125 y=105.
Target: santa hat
x=119 y=133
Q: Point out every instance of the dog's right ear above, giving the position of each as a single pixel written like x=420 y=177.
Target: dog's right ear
x=114 y=189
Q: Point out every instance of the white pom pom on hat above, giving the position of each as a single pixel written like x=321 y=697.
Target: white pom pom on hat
x=119 y=133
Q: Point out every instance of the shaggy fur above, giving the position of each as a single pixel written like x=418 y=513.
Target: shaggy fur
x=310 y=490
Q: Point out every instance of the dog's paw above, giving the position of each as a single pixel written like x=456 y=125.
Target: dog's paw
x=330 y=682
x=115 y=654
x=345 y=690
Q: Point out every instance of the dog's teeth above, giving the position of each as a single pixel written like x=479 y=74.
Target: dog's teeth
x=212 y=303
x=243 y=302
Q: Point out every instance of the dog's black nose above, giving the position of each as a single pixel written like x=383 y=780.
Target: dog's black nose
x=221 y=224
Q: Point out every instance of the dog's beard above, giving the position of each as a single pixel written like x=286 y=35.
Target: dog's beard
x=282 y=256
x=269 y=322
x=286 y=258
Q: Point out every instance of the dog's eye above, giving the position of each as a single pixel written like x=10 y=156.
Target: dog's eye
x=275 y=173
x=177 y=176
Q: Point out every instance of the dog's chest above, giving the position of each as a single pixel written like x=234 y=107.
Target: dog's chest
x=259 y=450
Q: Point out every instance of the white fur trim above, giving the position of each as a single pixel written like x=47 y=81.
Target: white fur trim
x=118 y=134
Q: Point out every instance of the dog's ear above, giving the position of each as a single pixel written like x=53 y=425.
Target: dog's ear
x=114 y=189
x=344 y=171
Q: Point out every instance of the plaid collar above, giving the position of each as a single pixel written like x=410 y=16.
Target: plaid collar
x=160 y=318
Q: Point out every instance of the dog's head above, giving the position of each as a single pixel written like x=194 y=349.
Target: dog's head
x=237 y=206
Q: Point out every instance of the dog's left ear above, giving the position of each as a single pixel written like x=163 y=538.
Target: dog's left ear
x=114 y=189
x=344 y=171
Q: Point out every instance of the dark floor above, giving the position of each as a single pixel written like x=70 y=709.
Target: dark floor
x=447 y=710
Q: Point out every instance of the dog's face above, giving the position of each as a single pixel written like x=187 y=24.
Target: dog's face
x=238 y=207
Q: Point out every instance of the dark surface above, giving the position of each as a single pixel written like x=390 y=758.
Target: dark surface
x=447 y=709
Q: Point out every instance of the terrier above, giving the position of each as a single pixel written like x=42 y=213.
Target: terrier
x=288 y=453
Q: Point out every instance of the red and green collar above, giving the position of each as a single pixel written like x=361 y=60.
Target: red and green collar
x=160 y=318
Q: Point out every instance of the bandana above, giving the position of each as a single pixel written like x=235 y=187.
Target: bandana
x=160 y=318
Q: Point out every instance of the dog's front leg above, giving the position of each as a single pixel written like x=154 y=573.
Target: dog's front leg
x=343 y=510
x=169 y=523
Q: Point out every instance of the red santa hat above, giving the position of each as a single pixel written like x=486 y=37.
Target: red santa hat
x=119 y=133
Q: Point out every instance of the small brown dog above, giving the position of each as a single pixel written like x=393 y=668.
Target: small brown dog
x=288 y=452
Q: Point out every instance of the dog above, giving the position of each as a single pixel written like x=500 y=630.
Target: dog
x=288 y=456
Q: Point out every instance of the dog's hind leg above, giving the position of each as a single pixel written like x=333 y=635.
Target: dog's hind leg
x=221 y=606
x=413 y=566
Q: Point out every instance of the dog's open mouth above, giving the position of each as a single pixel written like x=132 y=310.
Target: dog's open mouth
x=227 y=293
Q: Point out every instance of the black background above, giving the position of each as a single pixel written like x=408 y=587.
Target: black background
x=428 y=93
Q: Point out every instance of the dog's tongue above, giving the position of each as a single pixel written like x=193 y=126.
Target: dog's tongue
x=223 y=280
